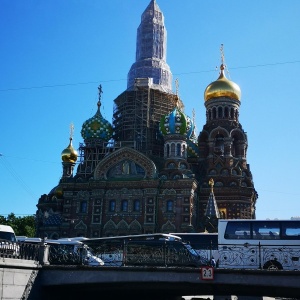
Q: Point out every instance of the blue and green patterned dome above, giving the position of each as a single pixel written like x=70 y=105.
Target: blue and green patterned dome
x=97 y=127
x=176 y=123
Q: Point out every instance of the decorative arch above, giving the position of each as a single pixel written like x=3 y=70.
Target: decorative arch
x=110 y=225
x=239 y=144
x=163 y=176
x=135 y=226
x=168 y=227
x=176 y=175
x=81 y=226
x=123 y=225
x=219 y=131
x=125 y=163
x=169 y=192
x=238 y=134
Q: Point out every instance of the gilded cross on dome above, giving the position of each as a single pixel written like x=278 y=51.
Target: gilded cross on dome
x=99 y=95
x=71 y=131
x=211 y=183
x=100 y=91
x=222 y=55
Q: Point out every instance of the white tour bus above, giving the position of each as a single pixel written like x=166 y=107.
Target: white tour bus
x=259 y=244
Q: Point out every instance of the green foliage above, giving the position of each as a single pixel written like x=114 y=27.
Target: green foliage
x=21 y=225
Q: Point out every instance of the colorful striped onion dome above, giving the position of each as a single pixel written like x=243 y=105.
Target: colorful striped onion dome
x=97 y=127
x=176 y=122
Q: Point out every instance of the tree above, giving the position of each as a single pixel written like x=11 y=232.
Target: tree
x=21 y=225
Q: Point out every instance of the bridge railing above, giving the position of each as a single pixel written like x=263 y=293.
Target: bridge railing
x=19 y=250
x=44 y=253
x=61 y=254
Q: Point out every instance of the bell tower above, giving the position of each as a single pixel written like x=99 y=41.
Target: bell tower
x=223 y=148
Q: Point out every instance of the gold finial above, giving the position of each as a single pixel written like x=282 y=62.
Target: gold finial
x=211 y=183
x=71 y=131
x=222 y=55
x=223 y=64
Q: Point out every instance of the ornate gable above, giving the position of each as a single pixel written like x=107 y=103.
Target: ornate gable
x=125 y=163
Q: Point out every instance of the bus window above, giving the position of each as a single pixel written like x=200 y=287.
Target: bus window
x=265 y=230
x=237 y=230
x=291 y=231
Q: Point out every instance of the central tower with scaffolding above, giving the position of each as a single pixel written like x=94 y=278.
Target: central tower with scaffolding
x=149 y=96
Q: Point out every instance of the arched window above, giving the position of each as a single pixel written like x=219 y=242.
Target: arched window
x=170 y=206
x=178 y=149
x=83 y=206
x=136 y=205
x=226 y=112
x=220 y=112
x=183 y=151
x=214 y=113
x=232 y=113
x=172 y=149
x=209 y=115
x=112 y=205
x=124 y=205
x=168 y=150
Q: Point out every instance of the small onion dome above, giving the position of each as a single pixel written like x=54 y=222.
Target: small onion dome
x=69 y=154
x=222 y=87
x=97 y=127
x=57 y=191
x=176 y=123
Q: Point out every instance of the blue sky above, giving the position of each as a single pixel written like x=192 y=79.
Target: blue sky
x=54 y=54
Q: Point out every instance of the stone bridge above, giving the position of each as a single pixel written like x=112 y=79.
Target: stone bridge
x=32 y=277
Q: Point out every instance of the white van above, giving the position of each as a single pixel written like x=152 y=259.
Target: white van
x=7 y=233
x=76 y=245
x=8 y=242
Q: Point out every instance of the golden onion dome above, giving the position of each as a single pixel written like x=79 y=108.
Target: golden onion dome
x=69 y=154
x=58 y=191
x=222 y=87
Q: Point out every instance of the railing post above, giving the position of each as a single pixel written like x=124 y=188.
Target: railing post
x=43 y=253
x=259 y=254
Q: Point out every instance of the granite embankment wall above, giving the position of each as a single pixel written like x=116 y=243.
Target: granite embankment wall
x=16 y=278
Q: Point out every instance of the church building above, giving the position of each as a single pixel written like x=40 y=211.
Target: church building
x=148 y=171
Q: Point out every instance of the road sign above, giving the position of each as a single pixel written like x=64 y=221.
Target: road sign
x=207 y=273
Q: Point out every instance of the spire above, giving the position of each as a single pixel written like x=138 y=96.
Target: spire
x=212 y=207
x=151 y=46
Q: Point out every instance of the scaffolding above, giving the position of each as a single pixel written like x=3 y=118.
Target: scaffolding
x=136 y=118
x=137 y=115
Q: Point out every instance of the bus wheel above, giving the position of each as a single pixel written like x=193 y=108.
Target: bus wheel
x=272 y=265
